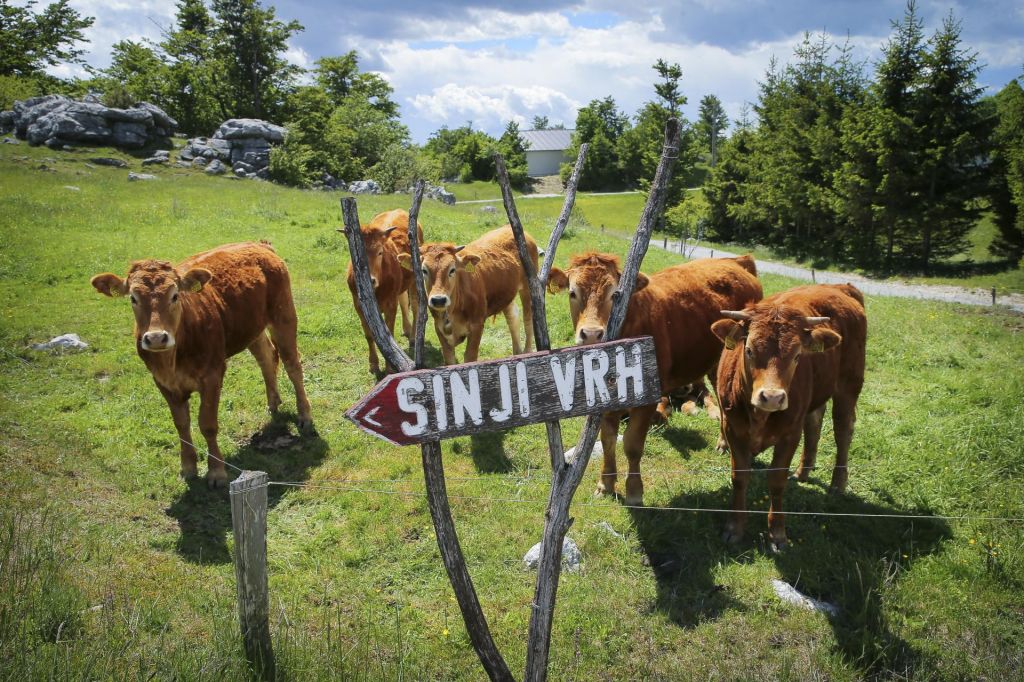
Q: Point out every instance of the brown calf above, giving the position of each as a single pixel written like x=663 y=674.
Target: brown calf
x=785 y=358
x=385 y=237
x=467 y=284
x=190 y=318
x=676 y=307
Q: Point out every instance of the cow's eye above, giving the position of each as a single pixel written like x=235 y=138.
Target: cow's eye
x=572 y=294
x=381 y=252
x=426 y=273
x=133 y=299
x=174 y=298
x=451 y=273
x=749 y=351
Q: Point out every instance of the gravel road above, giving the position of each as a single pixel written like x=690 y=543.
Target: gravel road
x=932 y=292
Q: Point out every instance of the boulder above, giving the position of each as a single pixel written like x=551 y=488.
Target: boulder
x=198 y=162
x=571 y=556
x=56 y=121
x=242 y=166
x=155 y=160
x=105 y=161
x=135 y=177
x=242 y=128
x=215 y=167
x=364 y=187
x=488 y=209
x=440 y=194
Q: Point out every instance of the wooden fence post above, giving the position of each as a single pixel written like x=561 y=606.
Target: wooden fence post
x=249 y=521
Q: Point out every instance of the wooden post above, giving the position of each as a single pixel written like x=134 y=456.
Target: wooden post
x=249 y=521
x=993 y=295
x=813 y=278
x=712 y=253
x=664 y=243
x=433 y=472
x=566 y=476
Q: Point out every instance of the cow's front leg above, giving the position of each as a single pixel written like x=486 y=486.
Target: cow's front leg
x=777 y=478
x=812 y=434
x=390 y=310
x=447 y=349
x=741 y=460
x=374 y=360
x=633 y=443
x=408 y=320
x=216 y=474
x=476 y=332
x=609 y=439
x=512 y=319
x=178 y=402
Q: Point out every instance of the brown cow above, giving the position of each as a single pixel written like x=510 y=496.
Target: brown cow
x=467 y=284
x=676 y=307
x=190 y=318
x=785 y=358
x=385 y=237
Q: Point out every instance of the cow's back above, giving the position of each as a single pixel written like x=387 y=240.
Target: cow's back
x=678 y=307
x=499 y=273
x=248 y=278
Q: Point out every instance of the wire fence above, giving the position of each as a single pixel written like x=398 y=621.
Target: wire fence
x=358 y=486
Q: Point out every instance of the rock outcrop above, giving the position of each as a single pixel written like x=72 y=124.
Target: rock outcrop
x=56 y=121
x=242 y=143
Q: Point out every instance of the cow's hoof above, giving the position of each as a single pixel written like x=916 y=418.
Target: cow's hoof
x=634 y=500
x=188 y=473
x=603 y=490
x=216 y=479
x=721 y=445
x=307 y=429
x=713 y=413
x=778 y=545
x=801 y=476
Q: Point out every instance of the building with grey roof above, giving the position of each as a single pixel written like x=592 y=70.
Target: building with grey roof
x=546 y=150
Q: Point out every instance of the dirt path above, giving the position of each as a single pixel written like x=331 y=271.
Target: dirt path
x=932 y=292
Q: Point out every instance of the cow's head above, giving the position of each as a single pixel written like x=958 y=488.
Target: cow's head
x=155 y=290
x=440 y=265
x=376 y=243
x=591 y=278
x=773 y=340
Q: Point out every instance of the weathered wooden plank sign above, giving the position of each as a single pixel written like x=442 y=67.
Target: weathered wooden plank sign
x=458 y=400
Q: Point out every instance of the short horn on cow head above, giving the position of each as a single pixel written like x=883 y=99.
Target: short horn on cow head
x=738 y=315
x=812 y=321
x=459 y=248
x=109 y=284
x=389 y=230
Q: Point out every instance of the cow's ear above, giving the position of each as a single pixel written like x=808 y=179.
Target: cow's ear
x=729 y=332
x=469 y=262
x=821 y=339
x=641 y=281
x=109 y=284
x=405 y=260
x=195 y=279
x=558 y=281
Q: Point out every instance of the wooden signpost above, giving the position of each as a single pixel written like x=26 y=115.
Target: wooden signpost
x=459 y=400
x=422 y=406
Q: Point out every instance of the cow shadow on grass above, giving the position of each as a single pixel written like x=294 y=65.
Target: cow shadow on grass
x=204 y=515
x=846 y=561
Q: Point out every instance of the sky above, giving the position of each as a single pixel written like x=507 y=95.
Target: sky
x=490 y=62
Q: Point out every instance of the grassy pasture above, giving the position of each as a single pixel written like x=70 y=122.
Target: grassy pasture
x=111 y=567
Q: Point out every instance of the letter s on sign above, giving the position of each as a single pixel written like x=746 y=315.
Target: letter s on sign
x=407 y=386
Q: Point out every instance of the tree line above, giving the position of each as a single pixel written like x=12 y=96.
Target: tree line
x=886 y=172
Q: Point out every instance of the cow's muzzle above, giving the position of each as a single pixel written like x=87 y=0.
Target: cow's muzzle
x=157 y=341
x=439 y=302
x=589 y=335
x=770 y=399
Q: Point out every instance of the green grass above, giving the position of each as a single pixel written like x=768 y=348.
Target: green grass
x=111 y=567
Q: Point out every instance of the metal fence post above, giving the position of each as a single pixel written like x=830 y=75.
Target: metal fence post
x=249 y=521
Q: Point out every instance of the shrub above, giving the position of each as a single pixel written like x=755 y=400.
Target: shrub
x=13 y=88
x=290 y=163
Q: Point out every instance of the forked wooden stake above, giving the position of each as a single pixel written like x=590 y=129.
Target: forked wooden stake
x=433 y=468
x=566 y=476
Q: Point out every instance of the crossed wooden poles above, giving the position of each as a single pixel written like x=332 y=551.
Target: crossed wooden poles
x=566 y=476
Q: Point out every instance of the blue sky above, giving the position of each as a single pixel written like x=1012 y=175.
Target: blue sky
x=490 y=62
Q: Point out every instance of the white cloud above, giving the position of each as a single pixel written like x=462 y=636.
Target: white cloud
x=490 y=107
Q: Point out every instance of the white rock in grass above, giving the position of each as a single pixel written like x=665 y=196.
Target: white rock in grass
x=791 y=595
x=571 y=556
x=62 y=342
x=598 y=450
